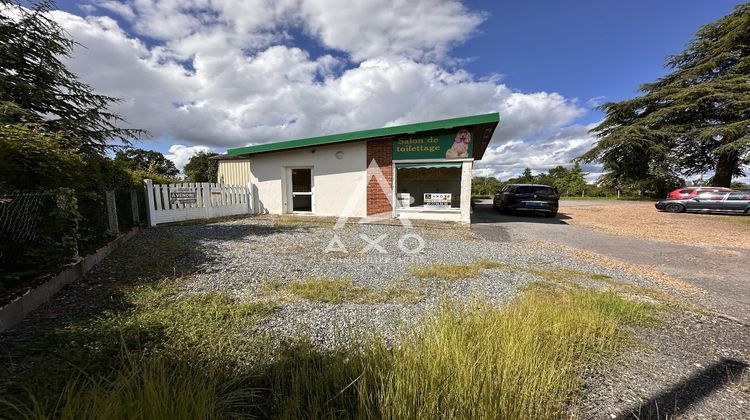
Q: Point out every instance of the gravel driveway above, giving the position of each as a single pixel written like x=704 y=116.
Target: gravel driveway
x=260 y=253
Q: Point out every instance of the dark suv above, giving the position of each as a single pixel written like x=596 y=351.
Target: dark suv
x=528 y=197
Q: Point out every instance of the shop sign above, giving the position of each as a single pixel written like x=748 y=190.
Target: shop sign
x=183 y=195
x=452 y=144
x=437 y=200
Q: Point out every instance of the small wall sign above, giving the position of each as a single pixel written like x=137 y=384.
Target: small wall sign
x=437 y=200
x=183 y=195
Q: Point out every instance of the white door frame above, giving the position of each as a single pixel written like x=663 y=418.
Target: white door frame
x=290 y=194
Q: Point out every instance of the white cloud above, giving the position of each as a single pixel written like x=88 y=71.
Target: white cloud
x=181 y=154
x=508 y=159
x=368 y=28
x=119 y=8
x=225 y=74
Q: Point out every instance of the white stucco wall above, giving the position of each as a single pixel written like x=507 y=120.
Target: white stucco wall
x=335 y=181
x=466 y=191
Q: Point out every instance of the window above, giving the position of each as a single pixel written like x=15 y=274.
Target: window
x=685 y=191
x=535 y=190
x=711 y=195
x=429 y=186
x=739 y=195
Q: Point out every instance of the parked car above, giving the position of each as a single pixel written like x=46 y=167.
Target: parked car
x=690 y=192
x=527 y=197
x=710 y=202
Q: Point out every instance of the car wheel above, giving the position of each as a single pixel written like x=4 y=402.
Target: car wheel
x=551 y=214
x=674 y=208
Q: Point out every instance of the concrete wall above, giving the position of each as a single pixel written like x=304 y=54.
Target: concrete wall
x=335 y=181
x=235 y=172
x=14 y=312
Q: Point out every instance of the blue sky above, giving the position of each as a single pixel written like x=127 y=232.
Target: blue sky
x=203 y=75
x=585 y=48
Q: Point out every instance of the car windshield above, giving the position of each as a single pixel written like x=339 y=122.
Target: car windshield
x=535 y=190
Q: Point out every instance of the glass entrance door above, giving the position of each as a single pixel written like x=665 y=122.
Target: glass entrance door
x=302 y=192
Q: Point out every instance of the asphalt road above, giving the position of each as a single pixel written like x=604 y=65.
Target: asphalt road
x=723 y=272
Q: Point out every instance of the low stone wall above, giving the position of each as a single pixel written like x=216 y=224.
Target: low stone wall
x=14 y=312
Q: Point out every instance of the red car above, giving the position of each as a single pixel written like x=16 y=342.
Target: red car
x=690 y=192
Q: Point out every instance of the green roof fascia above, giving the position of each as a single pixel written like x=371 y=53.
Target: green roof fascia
x=368 y=134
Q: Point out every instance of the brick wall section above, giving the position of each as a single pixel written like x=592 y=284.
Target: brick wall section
x=381 y=151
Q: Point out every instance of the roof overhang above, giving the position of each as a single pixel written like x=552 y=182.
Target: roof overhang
x=483 y=126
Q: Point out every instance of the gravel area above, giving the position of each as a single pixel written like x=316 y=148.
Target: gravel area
x=691 y=367
x=641 y=220
x=265 y=253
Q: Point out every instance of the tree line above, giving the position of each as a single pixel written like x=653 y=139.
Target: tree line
x=569 y=182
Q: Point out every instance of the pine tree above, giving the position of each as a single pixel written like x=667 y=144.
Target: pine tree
x=694 y=120
x=37 y=89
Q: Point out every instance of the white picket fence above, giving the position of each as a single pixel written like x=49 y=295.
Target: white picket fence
x=189 y=201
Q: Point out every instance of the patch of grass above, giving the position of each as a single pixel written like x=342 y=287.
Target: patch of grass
x=202 y=331
x=524 y=360
x=158 y=258
x=152 y=388
x=286 y=220
x=559 y=275
x=342 y=290
x=457 y=271
x=204 y=324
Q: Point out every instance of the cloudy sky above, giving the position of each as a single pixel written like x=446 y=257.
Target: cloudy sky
x=215 y=74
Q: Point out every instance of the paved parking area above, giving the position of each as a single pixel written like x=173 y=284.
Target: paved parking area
x=722 y=270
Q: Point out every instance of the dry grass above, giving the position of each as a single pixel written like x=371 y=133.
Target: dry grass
x=456 y=271
x=524 y=360
x=290 y=221
x=641 y=220
x=339 y=291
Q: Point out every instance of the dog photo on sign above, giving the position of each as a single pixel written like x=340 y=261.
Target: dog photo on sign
x=460 y=147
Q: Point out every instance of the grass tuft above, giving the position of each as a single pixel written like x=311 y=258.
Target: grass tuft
x=152 y=388
x=342 y=290
x=291 y=221
x=457 y=271
x=207 y=330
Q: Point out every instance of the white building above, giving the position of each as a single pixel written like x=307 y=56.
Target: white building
x=419 y=171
